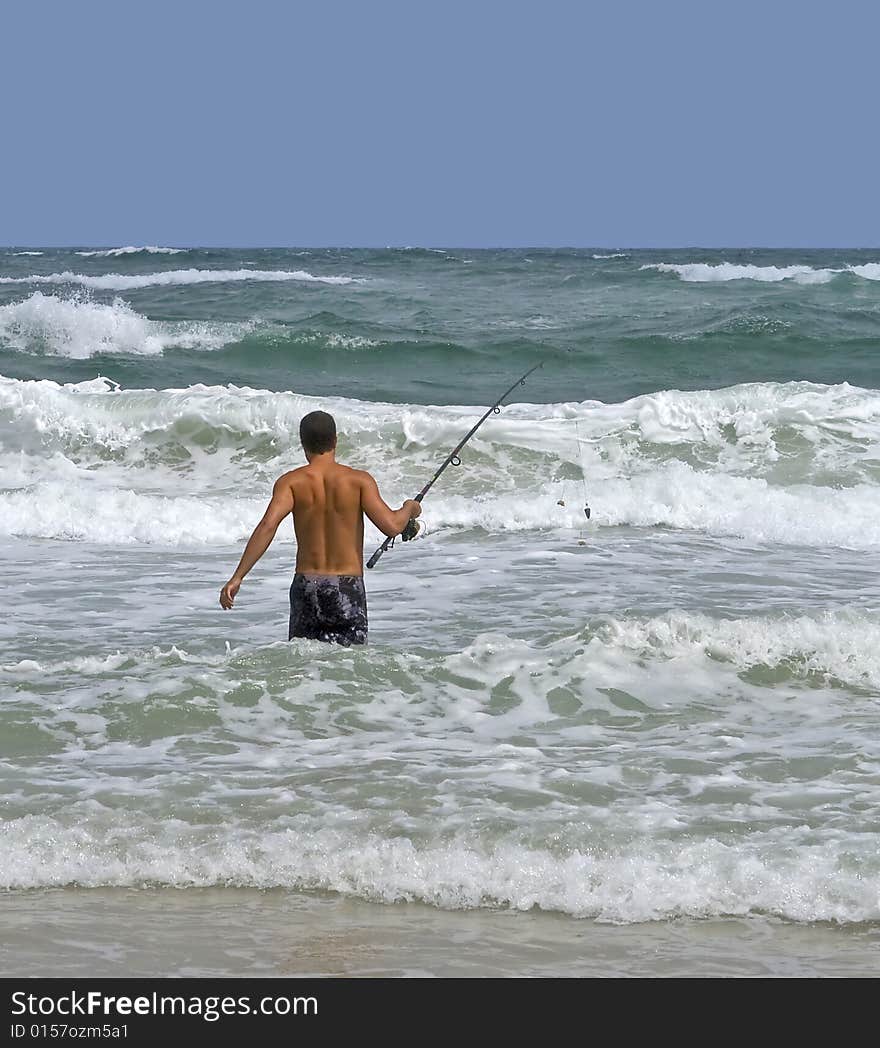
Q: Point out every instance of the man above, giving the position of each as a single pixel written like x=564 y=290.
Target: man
x=328 y=500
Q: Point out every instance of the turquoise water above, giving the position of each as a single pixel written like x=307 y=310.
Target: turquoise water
x=434 y=327
x=666 y=712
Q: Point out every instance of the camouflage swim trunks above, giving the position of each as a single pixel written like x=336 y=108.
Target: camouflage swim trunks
x=328 y=607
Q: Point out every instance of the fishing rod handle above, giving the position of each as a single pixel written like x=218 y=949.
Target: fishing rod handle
x=374 y=560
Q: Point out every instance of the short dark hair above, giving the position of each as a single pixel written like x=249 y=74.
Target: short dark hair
x=317 y=431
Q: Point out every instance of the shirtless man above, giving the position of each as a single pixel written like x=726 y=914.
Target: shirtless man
x=328 y=500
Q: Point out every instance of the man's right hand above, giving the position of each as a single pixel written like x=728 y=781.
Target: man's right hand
x=227 y=594
x=413 y=508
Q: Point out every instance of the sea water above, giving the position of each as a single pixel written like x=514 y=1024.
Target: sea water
x=661 y=718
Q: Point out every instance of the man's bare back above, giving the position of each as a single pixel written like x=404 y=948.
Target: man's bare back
x=328 y=502
x=327 y=518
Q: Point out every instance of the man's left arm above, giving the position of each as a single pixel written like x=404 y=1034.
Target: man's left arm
x=278 y=508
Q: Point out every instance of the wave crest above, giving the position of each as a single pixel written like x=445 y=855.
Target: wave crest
x=116 y=252
x=795 y=463
x=79 y=328
x=133 y=281
x=656 y=880
x=703 y=272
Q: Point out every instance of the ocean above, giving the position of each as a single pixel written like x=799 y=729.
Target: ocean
x=644 y=743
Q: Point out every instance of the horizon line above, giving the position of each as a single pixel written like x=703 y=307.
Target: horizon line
x=457 y=247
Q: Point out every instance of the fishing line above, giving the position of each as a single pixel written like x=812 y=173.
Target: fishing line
x=561 y=502
x=577 y=430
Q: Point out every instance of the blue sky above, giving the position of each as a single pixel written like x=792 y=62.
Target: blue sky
x=480 y=123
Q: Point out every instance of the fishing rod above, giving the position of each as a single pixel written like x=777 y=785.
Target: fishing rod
x=452 y=459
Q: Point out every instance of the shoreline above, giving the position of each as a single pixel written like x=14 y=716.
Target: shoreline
x=235 y=932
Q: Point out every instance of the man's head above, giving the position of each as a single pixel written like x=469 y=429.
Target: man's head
x=317 y=431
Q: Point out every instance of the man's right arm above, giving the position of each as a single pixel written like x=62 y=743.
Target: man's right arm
x=261 y=539
x=390 y=522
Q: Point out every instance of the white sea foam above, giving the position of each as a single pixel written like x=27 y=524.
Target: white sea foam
x=33 y=253
x=841 y=646
x=79 y=508
x=686 y=500
x=870 y=271
x=97 y=665
x=794 y=464
x=702 y=272
x=115 y=252
x=629 y=804
x=631 y=884
x=132 y=281
x=77 y=327
x=741 y=429
x=72 y=328
x=616 y=254
x=336 y=340
x=81 y=511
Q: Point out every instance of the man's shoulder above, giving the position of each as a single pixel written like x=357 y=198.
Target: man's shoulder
x=359 y=475
x=290 y=477
x=349 y=473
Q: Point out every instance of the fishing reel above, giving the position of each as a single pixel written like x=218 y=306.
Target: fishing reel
x=415 y=528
